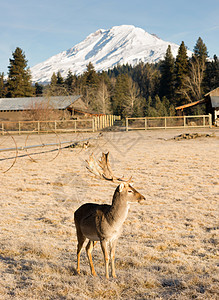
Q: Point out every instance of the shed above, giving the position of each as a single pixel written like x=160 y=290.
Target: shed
x=211 y=100
x=14 y=108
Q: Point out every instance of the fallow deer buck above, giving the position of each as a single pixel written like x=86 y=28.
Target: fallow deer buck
x=103 y=222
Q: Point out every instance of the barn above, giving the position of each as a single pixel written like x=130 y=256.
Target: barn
x=211 y=100
x=14 y=108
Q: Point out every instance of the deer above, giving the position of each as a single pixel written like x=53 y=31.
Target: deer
x=103 y=222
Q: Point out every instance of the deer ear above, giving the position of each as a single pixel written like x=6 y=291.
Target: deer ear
x=121 y=187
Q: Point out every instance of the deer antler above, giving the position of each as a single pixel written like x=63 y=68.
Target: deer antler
x=102 y=168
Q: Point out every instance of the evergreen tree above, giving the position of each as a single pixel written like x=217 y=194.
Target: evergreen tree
x=56 y=87
x=38 y=89
x=19 y=78
x=2 y=86
x=89 y=82
x=200 y=50
x=53 y=80
x=150 y=111
x=91 y=77
x=197 y=72
x=70 y=81
x=60 y=79
x=181 y=65
x=147 y=77
x=121 y=92
x=161 y=110
x=212 y=74
x=167 y=75
x=181 y=70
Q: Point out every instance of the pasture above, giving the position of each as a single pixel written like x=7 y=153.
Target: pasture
x=169 y=245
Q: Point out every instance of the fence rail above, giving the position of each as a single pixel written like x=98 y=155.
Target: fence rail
x=58 y=126
x=168 y=122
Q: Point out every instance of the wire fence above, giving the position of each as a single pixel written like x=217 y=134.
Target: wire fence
x=58 y=126
x=168 y=122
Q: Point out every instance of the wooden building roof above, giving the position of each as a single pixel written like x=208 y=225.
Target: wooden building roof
x=19 y=104
x=190 y=104
x=212 y=96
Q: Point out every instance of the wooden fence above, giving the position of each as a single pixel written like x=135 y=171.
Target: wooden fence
x=58 y=126
x=168 y=122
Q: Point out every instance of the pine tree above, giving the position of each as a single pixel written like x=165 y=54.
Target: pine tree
x=2 y=86
x=160 y=107
x=181 y=70
x=167 y=75
x=19 y=78
x=212 y=74
x=70 y=81
x=38 y=89
x=121 y=92
x=194 y=84
x=89 y=82
x=53 y=80
x=60 y=79
x=91 y=76
x=150 y=111
x=200 y=50
x=181 y=65
x=147 y=77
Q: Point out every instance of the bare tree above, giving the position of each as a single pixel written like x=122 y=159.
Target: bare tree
x=103 y=99
x=192 y=84
x=40 y=111
x=133 y=99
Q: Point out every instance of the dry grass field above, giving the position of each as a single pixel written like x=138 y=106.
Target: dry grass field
x=169 y=246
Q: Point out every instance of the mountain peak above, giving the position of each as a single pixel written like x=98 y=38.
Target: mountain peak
x=105 y=48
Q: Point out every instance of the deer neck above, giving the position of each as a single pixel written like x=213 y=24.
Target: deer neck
x=119 y=210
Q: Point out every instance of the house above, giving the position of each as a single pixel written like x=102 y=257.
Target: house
x=16 y=108
x=211 y=101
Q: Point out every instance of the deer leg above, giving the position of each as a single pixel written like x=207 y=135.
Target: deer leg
x=81 y=240
x=106 y=256
x=89 y=249
x=112 y=255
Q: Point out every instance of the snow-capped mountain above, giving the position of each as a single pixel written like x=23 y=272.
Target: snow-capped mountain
x=105 y=49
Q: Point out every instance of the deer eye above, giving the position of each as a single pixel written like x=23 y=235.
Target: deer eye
x=130 y=191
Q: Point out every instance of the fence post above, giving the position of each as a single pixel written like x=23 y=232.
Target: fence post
x=145 y=123
x=165 y=122
x=210 y=120
x=55 y=126
x=127 y=124
x=3 y=129
x=204 y=121
x=38 y=125
x=184 y=121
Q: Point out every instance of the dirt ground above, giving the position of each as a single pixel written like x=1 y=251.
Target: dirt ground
x=169 y=245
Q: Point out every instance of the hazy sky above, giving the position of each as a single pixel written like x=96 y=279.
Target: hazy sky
x=43 y=28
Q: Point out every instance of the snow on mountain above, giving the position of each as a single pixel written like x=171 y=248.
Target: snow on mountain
x=105 y=49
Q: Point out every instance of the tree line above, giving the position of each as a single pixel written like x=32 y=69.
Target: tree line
x=142 y=90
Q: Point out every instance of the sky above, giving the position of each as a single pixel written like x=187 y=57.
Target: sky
x=43 y=28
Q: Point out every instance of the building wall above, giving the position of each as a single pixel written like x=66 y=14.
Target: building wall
x=22 y=116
